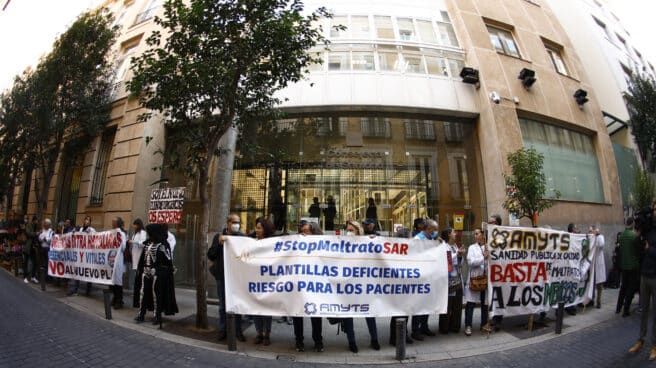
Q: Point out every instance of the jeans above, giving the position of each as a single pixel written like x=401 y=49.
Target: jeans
x=450 y=322
x=220 y=292
x=27 y=258
x=316 y=329
x=469 y=311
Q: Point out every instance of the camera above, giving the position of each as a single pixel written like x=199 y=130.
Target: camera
x=495 y=97
x=643 y=219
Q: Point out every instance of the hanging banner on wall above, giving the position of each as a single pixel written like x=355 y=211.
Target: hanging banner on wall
x=84 y=256
x=335 y=276
x=533 y=269
x=166 y=205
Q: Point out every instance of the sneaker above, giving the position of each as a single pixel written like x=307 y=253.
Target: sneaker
x=26 y=281
x=637 y=346
x=318 y=347
x=34 y=280
x=468 y=331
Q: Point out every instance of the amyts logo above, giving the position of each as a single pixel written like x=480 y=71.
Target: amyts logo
x=310 y=309
x=335 y=308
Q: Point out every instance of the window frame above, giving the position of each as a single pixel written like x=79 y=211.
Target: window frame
x=503 y=35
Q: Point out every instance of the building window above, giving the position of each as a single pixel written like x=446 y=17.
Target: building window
x=627 y=73
x=360 y=27
x=375 y=127
x=337 y=21
x=419 y=129
x=454 y=132
x=145 y=15
x=437 y=66
x=388 y=61
x=570 y=162
x=100 y=169
x=413 y=64
x=363 y=60
x=122 y=67
x=503 y=41
x=556 y=60
x=406 y=29
x=426 y=31
x=339 y=61
x=384 y=27
x=447 y=34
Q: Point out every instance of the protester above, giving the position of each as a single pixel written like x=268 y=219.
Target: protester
x=371 y=212
x=647 y=284
x=600 y=262
x=133 y=252
x=45 y=238
x=477 y=256
x=263 y=229
x=329 y=213
x=309 y=228
x=31 y=250
x=495 y=219
x=573 y=229
x=420 y=322
x=215 y=254
x=630 y=266
x=418 y=226
x=156 y=271
x=74 y=285
x=119 y=266
x=355 y=229
x=401 y=233
x=452 y=319
x=315 y=210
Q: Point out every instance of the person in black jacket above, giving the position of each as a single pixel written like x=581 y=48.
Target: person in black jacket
x=156 y=272
x=215 y=254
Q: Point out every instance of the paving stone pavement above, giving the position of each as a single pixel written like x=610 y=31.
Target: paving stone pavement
x=37 y=330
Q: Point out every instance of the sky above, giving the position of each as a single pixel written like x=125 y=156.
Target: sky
x=29 y=27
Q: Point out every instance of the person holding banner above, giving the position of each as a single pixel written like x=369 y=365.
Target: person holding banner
x=600 y=262
x=420 y=322
x=75 y=284
x=451 y=321
x=263 y=229
x=355 y=229
x=477 y=256
x=45 y=238
x=133 y=253
x=309 y=228
x=215 y=254
x=119 y=266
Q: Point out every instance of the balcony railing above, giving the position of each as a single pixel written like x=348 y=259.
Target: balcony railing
x=145 y=15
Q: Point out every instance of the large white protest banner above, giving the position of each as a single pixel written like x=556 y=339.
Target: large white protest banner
x=533 y=269
x=83 y=256
x=335 y=276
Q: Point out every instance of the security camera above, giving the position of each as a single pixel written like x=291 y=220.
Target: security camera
x=494 y=97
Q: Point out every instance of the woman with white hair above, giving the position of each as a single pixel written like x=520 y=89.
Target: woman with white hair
x=45 y=238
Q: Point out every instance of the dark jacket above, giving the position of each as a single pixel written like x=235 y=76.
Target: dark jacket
x=215 y=254
x=648 y=268
x=629 y=251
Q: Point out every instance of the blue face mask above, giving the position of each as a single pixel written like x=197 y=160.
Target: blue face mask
x=434 y=235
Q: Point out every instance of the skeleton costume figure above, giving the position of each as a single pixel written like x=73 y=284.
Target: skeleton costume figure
x=155 y=270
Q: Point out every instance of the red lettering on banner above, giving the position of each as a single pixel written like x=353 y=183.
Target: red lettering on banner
x=519 y=272
x=165 y=216
x=60 y=268
x=395 y=248
x=81 y=256
x=52 y=267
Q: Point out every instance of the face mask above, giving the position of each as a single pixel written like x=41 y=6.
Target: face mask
x=234 y=227
x=350 y=233
x=434 y=235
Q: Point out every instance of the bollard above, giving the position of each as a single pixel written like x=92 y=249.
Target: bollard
x=401 y=325
x=559 y=317
x=231 y=332
x=42 y=278
x=107 y=298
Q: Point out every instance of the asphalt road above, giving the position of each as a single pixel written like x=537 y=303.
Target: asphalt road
x=36 y=330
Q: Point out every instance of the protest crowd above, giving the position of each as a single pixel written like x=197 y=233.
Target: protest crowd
x=147 y=254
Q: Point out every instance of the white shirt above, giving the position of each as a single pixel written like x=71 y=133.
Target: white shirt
x=171 y=240
x=45 y=238
x=136 y=246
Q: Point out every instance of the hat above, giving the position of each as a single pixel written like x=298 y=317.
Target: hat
x=368 y=222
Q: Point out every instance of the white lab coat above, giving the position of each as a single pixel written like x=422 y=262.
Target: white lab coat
x=600 y=259
x=136 y=247
x=476 y=262
x=119 y=267
x=171 y=240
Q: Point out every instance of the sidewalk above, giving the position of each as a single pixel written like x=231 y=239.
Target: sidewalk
x=180 y=328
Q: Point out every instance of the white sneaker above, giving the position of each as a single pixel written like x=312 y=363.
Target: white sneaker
x=34 y=280
x=26 y=281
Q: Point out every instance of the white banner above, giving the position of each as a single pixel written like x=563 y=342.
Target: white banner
x=533 y=269
x=84 y=256
x=335 y=276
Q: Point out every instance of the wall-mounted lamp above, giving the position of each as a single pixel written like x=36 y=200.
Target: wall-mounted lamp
x=470 y=76
x=581 y=97
x=528 y=77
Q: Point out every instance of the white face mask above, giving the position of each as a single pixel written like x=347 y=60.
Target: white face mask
x=350 y=233
x=234 y=227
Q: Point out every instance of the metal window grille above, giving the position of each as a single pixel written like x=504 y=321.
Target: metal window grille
x=100 y=170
